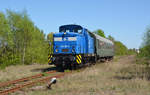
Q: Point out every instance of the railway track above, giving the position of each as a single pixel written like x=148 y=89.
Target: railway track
x=18 y=84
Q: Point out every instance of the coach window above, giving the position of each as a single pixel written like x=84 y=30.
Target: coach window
x=101 y=45
x=98 y=44
x=105 y=45
x=108 y=46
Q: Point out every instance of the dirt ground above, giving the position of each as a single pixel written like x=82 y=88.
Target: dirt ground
x=20 y=71
x=118 y=77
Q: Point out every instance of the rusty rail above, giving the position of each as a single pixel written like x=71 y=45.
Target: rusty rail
x=5 y=92
x=24 y=79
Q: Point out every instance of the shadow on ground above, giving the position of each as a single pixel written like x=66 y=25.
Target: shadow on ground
x=44 y=69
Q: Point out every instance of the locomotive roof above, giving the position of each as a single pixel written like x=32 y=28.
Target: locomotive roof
x=103 y=39
x=70 y=26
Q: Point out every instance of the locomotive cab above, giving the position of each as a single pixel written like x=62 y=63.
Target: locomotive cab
x=66 y=41
x=66 y=45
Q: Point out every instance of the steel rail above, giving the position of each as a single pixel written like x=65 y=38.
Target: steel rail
x=24 y=79
x=5 y=92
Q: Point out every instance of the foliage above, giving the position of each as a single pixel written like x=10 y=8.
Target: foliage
x=111 y=38
x=146 y=38
x=6 y=41
x=132 y=51
x=50 y=40
x=145 y=48
x=100 y=33
x=120 y=48
x=145 y=51
x=21 y=42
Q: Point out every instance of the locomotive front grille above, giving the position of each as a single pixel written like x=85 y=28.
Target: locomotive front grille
x=65 y=50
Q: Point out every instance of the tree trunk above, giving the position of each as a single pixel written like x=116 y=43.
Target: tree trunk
x=24 y=50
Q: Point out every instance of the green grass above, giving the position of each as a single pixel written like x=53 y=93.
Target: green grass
x=67 y=71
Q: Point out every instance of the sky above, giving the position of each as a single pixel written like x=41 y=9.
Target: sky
x=125 y=20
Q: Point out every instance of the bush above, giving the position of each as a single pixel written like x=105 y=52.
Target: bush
x=120 y=48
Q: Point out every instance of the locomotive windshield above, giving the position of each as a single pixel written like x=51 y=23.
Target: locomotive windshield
x=71 y=28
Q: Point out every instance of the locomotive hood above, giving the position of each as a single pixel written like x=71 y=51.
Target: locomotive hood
x=65 y=43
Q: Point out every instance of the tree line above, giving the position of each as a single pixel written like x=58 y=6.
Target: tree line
x=21 y=42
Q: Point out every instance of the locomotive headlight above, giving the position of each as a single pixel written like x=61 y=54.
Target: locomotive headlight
x=73 y=49
x=56 y=50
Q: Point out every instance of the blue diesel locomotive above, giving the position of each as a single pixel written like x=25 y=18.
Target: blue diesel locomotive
x=75 y=46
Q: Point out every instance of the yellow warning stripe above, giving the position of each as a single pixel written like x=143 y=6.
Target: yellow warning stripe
x=49 y=58
x=80 y=56
x=49 y=61
x=79 y=59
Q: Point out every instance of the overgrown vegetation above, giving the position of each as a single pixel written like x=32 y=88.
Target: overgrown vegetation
x=21 y=42
x=120 y=48
x=144 y=51
x=145 y=48
x=122 y=77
